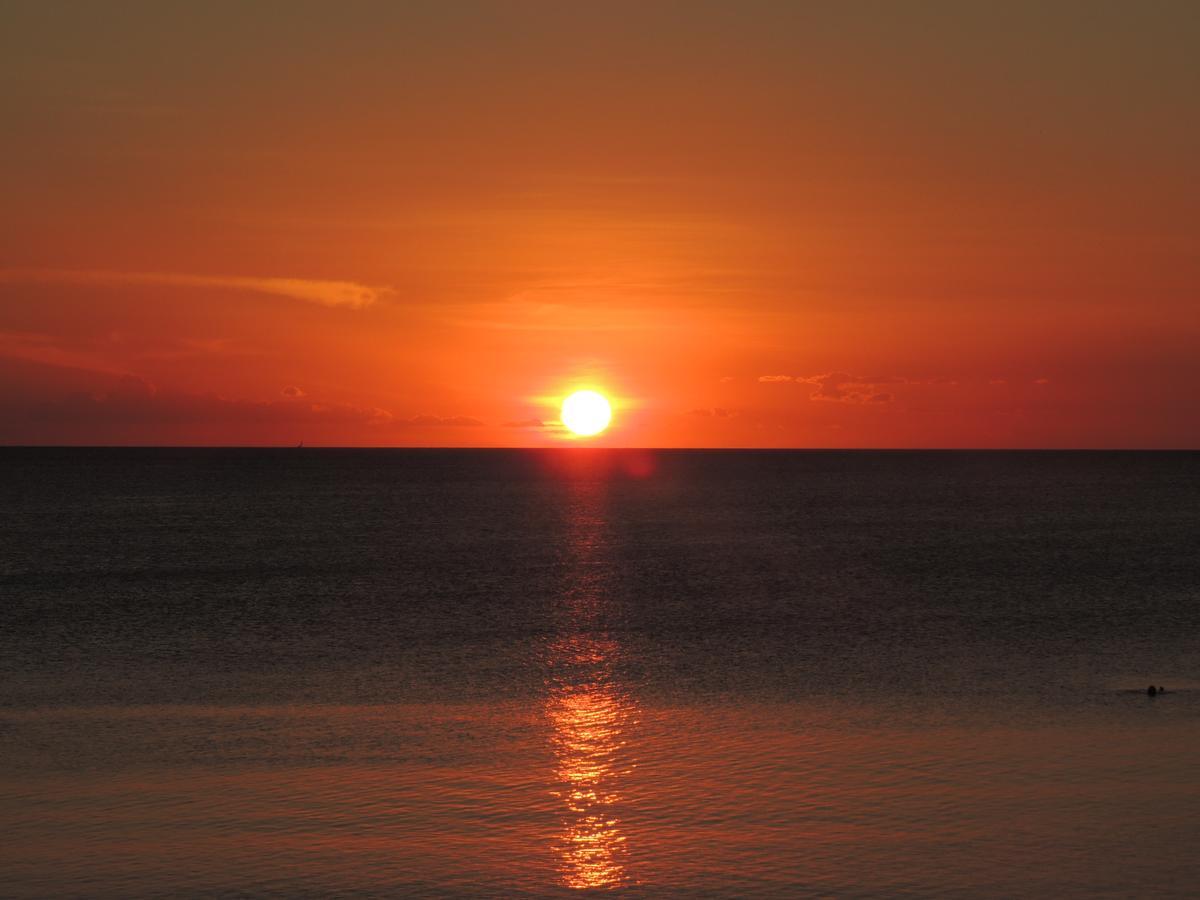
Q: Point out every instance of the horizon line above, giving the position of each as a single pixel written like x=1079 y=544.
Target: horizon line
x=590 y=447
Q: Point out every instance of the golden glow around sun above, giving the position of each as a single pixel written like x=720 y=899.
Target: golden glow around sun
x=586 y=413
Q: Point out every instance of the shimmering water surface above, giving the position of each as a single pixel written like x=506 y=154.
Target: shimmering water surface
x=506 y=673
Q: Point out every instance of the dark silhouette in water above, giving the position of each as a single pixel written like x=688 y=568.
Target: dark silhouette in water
x=1151 y=691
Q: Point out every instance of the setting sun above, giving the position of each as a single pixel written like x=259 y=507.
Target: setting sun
x=586 y=413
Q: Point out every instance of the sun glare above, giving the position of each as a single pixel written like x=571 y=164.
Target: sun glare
x=586 y=413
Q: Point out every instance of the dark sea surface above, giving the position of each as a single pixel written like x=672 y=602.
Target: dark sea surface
x=662 y=673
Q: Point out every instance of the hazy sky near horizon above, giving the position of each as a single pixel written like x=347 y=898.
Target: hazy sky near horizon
x=751 y=224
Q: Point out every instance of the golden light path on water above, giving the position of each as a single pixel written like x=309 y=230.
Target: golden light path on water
x=589 y=710
x=589 y=721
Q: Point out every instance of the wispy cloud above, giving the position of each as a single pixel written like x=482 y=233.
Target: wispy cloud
x=841 y=387
x=349 y=294
x=425 y=421
x=46 y=349
x=136 y=401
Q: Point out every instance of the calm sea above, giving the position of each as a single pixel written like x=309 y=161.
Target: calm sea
x=515 y=673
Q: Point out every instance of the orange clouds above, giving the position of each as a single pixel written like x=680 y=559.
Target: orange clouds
x=327 y=293
x=840 y=387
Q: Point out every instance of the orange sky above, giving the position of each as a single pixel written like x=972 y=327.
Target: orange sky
x=751 y=224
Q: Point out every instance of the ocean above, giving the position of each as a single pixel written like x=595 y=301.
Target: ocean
x=511 y=673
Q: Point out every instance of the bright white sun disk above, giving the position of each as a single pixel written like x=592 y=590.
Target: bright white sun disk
x=586 y=413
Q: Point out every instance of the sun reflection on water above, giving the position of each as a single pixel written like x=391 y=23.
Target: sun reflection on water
x=589 y=719
x=590 y=711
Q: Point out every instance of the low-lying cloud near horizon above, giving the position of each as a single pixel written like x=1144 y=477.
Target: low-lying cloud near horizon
x=841 y=387
x=349 y=294
x=135 y=401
